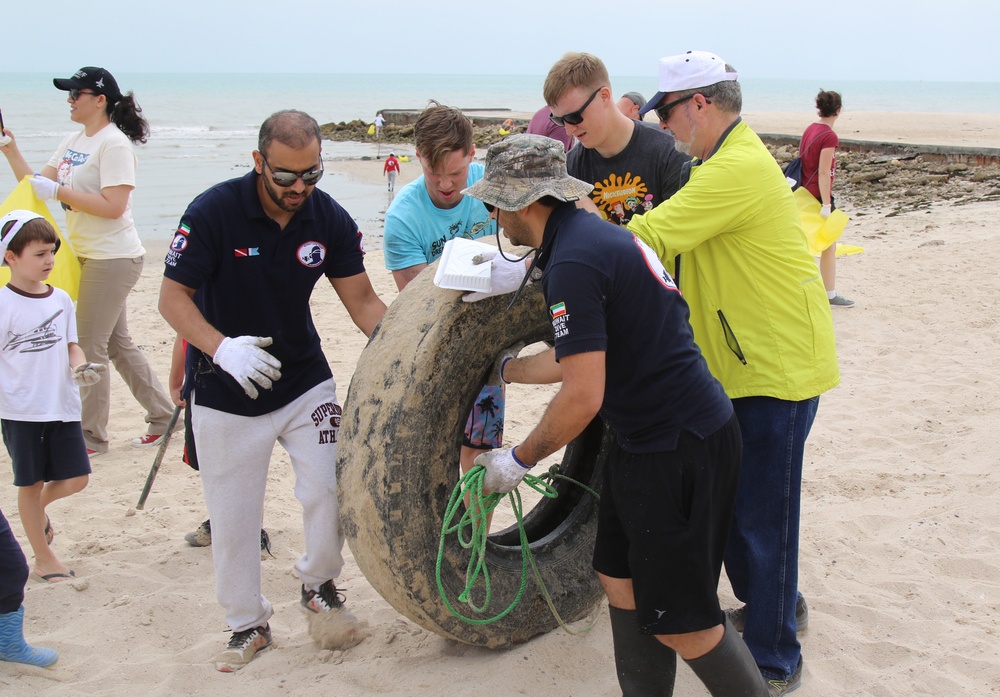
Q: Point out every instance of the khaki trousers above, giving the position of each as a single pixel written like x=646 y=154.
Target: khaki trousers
x=102 y=325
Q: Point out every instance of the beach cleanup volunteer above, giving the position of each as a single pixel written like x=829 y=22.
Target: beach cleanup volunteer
x=624 y=349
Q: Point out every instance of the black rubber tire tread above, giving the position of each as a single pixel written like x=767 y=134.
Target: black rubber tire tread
x=398 y=464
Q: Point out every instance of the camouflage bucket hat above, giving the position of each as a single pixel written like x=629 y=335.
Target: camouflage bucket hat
x=523 y=168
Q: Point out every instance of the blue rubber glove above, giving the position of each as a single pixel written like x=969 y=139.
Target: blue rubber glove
x=44 y=187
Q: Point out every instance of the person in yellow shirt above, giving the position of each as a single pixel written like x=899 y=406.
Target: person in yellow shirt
x=732 y=237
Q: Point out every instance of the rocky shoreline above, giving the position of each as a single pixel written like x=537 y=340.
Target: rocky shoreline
x=868 y=181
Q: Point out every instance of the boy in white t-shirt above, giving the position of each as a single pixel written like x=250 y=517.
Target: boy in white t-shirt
x=41 y=368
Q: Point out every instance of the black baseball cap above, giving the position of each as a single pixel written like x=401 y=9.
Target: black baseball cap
x=97 y=79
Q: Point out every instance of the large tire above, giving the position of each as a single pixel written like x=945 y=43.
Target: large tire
x=403 y=419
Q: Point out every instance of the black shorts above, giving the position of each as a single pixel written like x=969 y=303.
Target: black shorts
x=45 y=451
x=663 y=522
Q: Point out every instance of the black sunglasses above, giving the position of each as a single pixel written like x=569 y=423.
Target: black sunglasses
x=574 y=118
x=74 y=94
x=308 y=178
x=489 y=207
x=663 y=112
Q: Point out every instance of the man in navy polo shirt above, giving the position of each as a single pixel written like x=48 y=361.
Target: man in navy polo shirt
x=624 y=349
x=237 y=282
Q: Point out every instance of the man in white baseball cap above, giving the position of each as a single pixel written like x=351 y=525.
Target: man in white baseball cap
x=761 y=317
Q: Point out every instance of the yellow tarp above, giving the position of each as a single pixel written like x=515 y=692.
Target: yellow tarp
x=844 y=250
x=66 y=272
x=820 y=233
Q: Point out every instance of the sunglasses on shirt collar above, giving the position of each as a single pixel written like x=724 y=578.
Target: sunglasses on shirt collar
x=574 y=118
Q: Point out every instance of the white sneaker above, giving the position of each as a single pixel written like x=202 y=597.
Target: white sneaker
x=243 y=646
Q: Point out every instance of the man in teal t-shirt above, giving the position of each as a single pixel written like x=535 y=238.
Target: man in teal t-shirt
x=428 y=212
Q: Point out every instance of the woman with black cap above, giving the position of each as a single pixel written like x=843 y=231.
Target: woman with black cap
x=92 y=175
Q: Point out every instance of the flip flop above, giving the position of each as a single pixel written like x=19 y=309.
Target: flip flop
x=49 y=532
x=51 y=578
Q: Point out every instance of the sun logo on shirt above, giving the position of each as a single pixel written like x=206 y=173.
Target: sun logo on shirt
x=619 y=198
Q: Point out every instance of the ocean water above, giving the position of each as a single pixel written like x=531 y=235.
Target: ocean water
x=204 y=126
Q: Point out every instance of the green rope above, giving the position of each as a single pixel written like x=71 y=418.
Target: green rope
x=472 y=531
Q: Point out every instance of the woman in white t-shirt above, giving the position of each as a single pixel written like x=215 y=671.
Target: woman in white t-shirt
x=92 y=175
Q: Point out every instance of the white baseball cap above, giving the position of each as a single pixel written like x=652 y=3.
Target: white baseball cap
x=688 y=71
x=9 y=226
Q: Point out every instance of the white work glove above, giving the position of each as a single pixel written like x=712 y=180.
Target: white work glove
x=44 y=187
x=244 y=358
x=87 y=374
x=824 y=211
x=505 y=276
x=503 y=470
x=496 y=376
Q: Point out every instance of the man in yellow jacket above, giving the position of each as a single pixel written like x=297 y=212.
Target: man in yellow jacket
x=761 y=318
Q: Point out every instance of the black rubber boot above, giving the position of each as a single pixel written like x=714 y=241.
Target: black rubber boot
x=646 y=668
x=729 y=670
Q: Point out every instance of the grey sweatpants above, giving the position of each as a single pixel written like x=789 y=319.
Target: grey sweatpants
x=234 y=453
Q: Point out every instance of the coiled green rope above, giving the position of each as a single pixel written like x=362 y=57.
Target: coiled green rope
x=472 y=531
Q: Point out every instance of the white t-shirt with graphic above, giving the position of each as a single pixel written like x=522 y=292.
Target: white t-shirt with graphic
x=89 y=164
x=35 y=333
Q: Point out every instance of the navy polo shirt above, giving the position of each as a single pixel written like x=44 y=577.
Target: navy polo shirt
x=607 y=291
x=253 y=278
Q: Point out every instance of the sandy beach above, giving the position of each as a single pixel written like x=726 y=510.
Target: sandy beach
x=900 y=558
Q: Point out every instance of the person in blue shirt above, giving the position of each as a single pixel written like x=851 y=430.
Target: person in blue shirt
x=424 y=216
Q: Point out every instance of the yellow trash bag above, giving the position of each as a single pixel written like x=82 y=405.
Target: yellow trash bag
x=820 y=233
x=66 y=272
x=371 y=130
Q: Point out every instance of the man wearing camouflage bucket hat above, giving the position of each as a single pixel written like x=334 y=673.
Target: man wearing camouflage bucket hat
x=624 y=350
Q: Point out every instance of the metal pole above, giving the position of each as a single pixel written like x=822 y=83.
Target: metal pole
x=156 y=460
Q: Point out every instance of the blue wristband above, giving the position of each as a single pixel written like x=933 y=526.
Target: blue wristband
x=514 y=457
x=502 y=364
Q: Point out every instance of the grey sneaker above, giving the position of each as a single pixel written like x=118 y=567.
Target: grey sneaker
x=737 y=616
x=202 y=537
x=243 y=646
x=839 y=300
x=324 y=599
x=775 y=688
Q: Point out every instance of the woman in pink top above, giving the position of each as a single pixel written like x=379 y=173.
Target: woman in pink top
x=818 y=150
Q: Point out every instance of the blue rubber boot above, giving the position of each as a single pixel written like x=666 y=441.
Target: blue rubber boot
x=15 y=649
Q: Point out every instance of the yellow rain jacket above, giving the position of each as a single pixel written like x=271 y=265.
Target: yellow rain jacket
x=759 y=310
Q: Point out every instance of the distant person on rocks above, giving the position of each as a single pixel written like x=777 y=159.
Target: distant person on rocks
x=92 y=175
x=379 y=123
x=818 y=150
x=391 y=169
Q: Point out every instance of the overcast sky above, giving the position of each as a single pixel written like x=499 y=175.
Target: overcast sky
x=950 y=40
